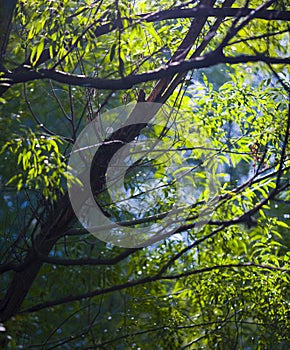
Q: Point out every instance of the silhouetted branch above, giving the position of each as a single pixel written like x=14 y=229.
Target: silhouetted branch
x=127 y=82
x=151 y=279
x=215 y=12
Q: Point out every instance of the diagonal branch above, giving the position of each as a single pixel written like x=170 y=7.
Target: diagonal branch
x=151 y=279
x=181 y=53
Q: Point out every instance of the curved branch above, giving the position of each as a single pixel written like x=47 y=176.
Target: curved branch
x=127 y=82
x=207 y=11
x=91 y=262
x=154 y=278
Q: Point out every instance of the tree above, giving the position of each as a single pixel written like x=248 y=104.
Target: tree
x=217 y=71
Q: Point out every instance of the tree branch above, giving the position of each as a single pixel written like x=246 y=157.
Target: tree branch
x=208 y=60
x=90 y=262
x=151 y=279
x=214 y=12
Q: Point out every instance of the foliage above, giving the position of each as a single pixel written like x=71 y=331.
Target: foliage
x=221 y=281
x=39 y=161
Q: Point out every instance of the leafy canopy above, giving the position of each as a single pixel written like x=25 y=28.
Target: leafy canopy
x=221 y=281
